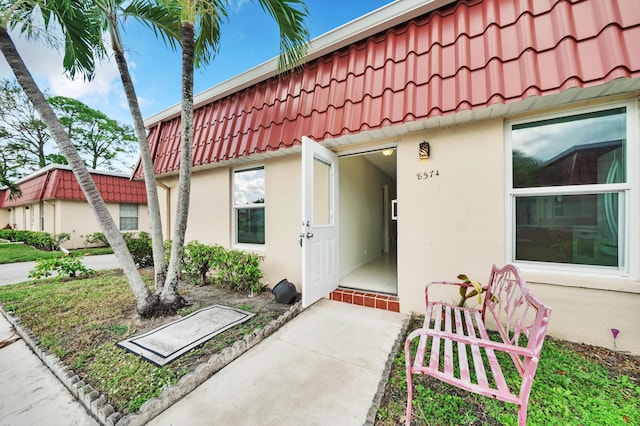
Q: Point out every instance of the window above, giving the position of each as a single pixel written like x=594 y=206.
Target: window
x=248 y=205
x=569 y=189
x=128 y=217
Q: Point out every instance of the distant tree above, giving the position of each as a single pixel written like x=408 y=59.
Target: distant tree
x=55 y=158
x=526 y=169
x=7 y=174
x=23 y=136
x=101 y=141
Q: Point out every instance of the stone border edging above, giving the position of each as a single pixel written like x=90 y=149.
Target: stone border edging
x=377 y=398
x=105 y=414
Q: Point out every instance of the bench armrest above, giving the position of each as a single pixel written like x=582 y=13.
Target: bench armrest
x=487 y=344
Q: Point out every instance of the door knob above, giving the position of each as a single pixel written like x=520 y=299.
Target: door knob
x=309 y=235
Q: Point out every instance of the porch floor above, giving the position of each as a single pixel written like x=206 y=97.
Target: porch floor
x=378 y=276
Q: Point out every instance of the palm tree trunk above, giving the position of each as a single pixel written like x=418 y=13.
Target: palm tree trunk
x=145 y=301
x=155 y=221
x=169 y=292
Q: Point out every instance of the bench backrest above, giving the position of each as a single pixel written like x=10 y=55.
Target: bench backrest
x=519 y=316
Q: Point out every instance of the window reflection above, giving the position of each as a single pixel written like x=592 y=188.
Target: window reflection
x=578 y=150
x=248 y=205
x=579 y=229
x=248 y=186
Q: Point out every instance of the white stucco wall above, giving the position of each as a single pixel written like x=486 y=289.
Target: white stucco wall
x=73 y=217
x=5 y=217
x=210 y=207
x=451 y=222
x=77 y=219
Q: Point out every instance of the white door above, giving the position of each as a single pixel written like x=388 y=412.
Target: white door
x=319 y=235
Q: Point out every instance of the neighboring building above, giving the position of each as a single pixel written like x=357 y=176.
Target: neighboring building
x=458 y=134
x=51 y=200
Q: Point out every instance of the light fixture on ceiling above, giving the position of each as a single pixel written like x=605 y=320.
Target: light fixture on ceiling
x=388 y=152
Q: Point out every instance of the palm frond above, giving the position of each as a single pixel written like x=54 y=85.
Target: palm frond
x=83 y=37
x=294 y=34
x=209 y=16
x=38 y=20
x=161 y=17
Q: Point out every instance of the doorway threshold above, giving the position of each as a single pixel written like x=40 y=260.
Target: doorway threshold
x=364 y=298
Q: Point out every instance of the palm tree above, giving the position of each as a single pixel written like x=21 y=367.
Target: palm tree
x=81 y=48
x=201 y=21
x=173 y=20
x=165 y=23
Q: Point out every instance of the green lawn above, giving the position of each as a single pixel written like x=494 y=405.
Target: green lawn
x=12 y=253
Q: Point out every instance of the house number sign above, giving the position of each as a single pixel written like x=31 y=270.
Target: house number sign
x=428 y=175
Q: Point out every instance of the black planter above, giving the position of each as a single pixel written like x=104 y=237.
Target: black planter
x=285 y=292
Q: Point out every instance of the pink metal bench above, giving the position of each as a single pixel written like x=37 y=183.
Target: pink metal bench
x=454 y=339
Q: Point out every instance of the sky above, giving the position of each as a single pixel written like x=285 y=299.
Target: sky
x=249 y=38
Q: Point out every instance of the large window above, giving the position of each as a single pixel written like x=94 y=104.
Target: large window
x=570 y=188
x=128 y=217
x=248 y=205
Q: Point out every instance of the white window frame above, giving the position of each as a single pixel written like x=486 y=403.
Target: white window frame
x=628 y=208
x=234 y=208
x=137 y=216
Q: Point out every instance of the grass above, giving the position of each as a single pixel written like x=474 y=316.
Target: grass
x=11 y=253
x=81 y=320
x=569 y=389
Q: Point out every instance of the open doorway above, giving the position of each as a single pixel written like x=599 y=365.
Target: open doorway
x=368 y=226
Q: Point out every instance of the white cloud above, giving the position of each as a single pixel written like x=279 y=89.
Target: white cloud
x=103 y=92
x=237 y=5
x=105 y=76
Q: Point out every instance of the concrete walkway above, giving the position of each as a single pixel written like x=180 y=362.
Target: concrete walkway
x=13 y=273
x=324 y=367
x=29 y=393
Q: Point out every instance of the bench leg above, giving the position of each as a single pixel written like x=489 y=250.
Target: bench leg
x=409 y=397
x=522 y=414
x=407 y=356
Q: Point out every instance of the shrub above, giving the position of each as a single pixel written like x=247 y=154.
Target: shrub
x=238 y=269
x=37 y=239
x=7 y=234
x=139 y=246
x=66 y=265
x=97 y=239
x=235 y=269
x=196 y=260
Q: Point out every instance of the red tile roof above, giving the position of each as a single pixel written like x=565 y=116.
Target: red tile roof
x=466 y=56
x=56 y=183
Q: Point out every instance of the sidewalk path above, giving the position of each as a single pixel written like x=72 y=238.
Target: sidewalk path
x=29 y=392
x=13 y=273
